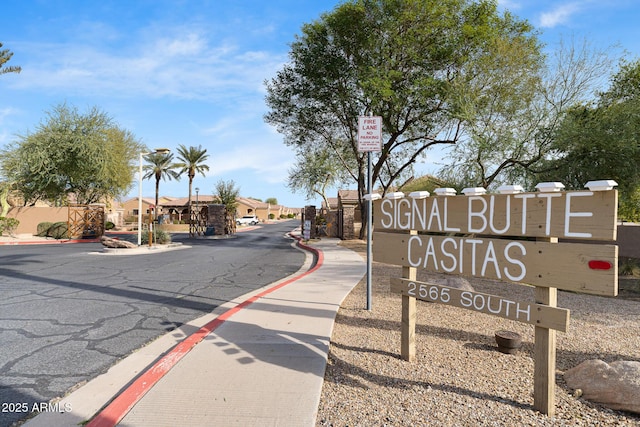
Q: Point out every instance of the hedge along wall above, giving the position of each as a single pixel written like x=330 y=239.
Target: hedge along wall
x=31 y=216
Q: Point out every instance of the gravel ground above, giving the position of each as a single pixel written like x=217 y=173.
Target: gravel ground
x=458 y=377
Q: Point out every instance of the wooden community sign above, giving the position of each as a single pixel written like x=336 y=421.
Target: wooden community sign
x=550 y=239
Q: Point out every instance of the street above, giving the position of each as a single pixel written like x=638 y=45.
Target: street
x=67 y=313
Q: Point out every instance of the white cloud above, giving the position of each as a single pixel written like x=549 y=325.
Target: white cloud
x=185 y=66
x=560 y=15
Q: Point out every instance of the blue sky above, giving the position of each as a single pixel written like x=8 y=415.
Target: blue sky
x=191 y=72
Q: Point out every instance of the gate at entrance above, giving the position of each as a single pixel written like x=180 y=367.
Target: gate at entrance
x=85 y=221
x=198 y=220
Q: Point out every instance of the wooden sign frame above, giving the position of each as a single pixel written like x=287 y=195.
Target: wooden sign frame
x=509 y=237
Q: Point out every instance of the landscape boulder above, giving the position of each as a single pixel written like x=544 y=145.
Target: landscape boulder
x=615 y=385
x=116 y=243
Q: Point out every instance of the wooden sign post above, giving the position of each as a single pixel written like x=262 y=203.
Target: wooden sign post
x=538 y=238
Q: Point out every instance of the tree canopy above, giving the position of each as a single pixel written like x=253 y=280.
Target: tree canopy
x=161 y=167
x=507 y=139
x=600 y=140
x=227 y=194
x=83 y=154
x=407 y=61
x=5 y=56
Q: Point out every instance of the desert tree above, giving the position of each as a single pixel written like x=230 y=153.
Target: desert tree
x=86 y=155
x=403 y=60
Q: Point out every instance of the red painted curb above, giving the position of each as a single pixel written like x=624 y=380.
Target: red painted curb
x=115 y=411
x=50 y=242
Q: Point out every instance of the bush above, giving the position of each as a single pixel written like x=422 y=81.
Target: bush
x=43 y=229
x=57 y=230
x=160 y=237
x=10 y=225
x=628 y=266
x=109 y=225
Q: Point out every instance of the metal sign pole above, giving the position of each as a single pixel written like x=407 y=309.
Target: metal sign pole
x=369 y=139
x=369 y=228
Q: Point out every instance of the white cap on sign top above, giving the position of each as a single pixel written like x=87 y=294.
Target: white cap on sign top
x=419 y=194
x=445 y=191
x=510 y=189
x=602 y=185
x=394 y=196
x=549 y=187
x=474 y=191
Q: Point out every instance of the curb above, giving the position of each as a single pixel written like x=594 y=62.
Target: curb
x=49 y=242
x=116 y=410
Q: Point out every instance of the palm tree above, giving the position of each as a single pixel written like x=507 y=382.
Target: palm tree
x=160 y=165
x=5 y=56
x=192 y=161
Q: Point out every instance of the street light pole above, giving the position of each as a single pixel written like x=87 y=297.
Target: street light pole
x=140 y=199
x=142 y=153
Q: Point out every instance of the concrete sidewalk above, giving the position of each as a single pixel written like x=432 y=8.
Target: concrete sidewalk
x=259 y=361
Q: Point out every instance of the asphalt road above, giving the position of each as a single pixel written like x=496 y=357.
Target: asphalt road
x=67 y=314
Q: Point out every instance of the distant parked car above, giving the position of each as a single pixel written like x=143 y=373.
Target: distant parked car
x=248 y=220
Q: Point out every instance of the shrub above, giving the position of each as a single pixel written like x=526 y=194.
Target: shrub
x=160 y=237
x=59 y=230
x=9 y=225
x=628 y=266
x=109 y=225
x=43 y=229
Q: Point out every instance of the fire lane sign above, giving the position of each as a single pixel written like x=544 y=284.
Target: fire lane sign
x=369 y=133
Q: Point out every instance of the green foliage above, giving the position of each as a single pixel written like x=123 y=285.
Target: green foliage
x=227 y=193
x=8 y=225
x=401 y=60
x=109 y=225
x=315 y=171
x=191 y=161
x=628 y=266
x=426 y=183
x=84 y=154
x=5 y=188
x=509 y=127
x=5 y=56
x=160 y=166
x=160 y=237
x=43 y=228
x=600 y=141
x=57 y=230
